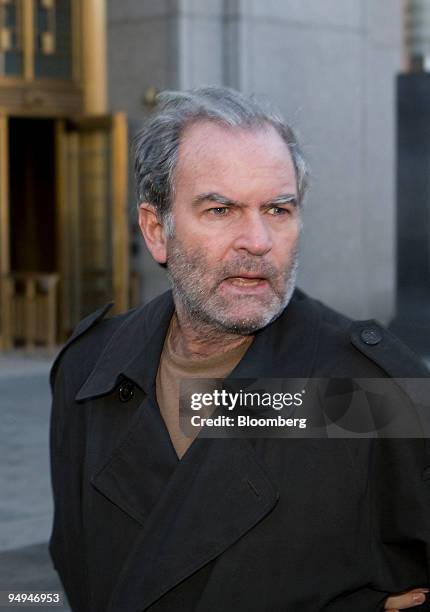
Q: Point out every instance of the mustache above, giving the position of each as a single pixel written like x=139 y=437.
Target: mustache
x=260 y=269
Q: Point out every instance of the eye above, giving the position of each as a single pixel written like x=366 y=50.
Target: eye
x=219 y=211
x=278 y=211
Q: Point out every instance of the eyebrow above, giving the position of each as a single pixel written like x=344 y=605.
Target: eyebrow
x=214 y=197
x=285 y=198
x=211 y=196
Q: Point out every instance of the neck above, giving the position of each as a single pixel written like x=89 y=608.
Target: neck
x=192 y=338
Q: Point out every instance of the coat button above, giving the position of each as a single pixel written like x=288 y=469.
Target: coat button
x=126 y=391
x=371 y=336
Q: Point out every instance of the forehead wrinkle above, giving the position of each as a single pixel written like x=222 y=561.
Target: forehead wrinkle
x=212 y=196
x=197 y=158
x=195 y=142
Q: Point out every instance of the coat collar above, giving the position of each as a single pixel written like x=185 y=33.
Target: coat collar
x=285 y=348
x=133 y=351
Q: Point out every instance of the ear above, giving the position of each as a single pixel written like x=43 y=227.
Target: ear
x=153 y=232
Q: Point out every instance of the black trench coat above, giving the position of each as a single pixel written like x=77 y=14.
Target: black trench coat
x=258 y=525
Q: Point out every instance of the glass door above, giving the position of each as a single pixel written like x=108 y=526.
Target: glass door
x=11 y=38
x=4 y=234
x=92 y=215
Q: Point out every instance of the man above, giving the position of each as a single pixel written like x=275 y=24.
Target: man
x=148 y=519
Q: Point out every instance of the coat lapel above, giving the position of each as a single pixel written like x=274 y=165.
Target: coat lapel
x=197 y=516
x=134 y=469
x=138 y=469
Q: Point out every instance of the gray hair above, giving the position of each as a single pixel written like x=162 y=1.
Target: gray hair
x=156 y=146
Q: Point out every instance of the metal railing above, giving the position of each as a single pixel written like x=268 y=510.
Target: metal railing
x=28 y=314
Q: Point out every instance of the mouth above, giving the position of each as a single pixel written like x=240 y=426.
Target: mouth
x=245 y=281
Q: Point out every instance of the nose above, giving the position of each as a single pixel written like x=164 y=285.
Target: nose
x=253 y=235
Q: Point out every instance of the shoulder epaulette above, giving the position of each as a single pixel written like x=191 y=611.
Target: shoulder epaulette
x=87 y=323
x=386 y=350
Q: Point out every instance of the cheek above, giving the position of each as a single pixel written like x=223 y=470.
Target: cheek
x=285 y=245
x=194 y=235
x=214 y=248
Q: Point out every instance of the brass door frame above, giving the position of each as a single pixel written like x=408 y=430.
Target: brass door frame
x=116 y=123
x=120 y=240
x=27 y=13
x=67 y=181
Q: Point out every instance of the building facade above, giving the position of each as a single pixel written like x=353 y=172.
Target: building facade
x=63 y=171
x=65 y=131
x=330 y=67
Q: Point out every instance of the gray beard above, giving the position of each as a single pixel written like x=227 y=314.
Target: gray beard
x=208 y=311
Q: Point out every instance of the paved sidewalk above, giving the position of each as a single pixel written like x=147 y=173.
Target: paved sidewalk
x=25 y=500
x=29 y=569
x=16 y=364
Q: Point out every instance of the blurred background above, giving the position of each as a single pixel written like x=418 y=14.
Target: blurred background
x=78 y=78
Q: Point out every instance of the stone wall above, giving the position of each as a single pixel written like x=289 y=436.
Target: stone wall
x=330 y=67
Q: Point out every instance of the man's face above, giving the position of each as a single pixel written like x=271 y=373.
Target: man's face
x=232 y=257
